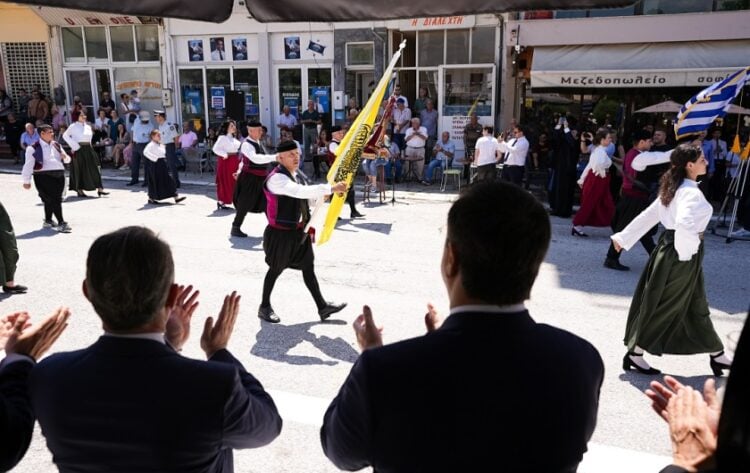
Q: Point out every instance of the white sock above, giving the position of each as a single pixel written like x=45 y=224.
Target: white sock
x=721 y=357
x=639 y=361
x=638 y=350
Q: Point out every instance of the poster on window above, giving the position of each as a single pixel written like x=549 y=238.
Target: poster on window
x=239 y=49
x=291 y=100
x=195 y=50
x=218 y=52
x=291 y=47
x=192 y=101
x=322 y=99
x=218 y=100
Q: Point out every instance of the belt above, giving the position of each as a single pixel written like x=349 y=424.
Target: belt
x=415 y=147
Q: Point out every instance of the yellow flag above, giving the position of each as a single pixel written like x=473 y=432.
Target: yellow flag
x=736 y=145
x=349 y=151
x=746 y=151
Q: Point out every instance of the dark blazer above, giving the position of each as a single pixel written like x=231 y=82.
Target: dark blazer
x=135 y=405
x=16 y=416
x=485 y=392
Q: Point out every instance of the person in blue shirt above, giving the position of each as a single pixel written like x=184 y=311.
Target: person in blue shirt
x=114 y=120
x=30 y=137
x=444 y=152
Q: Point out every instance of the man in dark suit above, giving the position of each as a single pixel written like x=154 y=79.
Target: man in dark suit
x=130 y=402
x=23 y=344
x=490 y=389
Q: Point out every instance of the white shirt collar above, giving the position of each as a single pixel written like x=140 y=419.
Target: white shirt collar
x=495 y=309
x=155 y=336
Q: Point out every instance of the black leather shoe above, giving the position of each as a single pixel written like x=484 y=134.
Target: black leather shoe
x=177 y=199
x=628 y=363
x=131 y=183
x=614 y=264
x=101 y=193
x=716 y=366
x=267 y=314
x=18 y=289
x=356 y=214
x=237 y=232
x=575 y=232
x=329 y=309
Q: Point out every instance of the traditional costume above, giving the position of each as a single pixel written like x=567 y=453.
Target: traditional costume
x=285 y=242
x=227 y=149
x=8 y=254
x=597 y=207
x=45 y=162
x=84 y=172
x=253 y=169
x=160 y=184
x=350 y=199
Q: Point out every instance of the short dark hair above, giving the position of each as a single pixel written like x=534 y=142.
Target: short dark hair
x=489 y=129
x=128 y=276
x=520 y=128
x=500 y=234
x=641 y=135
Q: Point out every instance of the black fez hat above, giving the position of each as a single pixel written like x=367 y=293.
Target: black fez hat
x=286 y=146
x=254 y=124
x=335 y=129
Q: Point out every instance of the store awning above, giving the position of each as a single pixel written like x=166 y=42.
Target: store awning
x=320 y=10
x=691 y=64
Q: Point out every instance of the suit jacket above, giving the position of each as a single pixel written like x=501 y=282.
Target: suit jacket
x=16 y=416
x=485 y=392
x=135 y=405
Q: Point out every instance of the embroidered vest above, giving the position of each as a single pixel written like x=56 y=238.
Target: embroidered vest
x=39 y=153
x=284 y=212
x=253 y=168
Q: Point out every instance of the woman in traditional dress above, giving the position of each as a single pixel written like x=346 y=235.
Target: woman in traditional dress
x=669 y=312
x=226 y=149
x=84 y=171
x=160 y=183
x=597 y=208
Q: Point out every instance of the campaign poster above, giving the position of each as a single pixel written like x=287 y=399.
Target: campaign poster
x=291 y=47
x=192 y=101
x=218 y=100
x=195 y=50
x=239 y=49
x=322 y=99
x=218 y=51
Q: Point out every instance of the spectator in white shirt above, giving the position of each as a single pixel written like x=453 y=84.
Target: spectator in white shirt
x=416 y=139
x=516 y=150
x=287 y=121
x=486 y=155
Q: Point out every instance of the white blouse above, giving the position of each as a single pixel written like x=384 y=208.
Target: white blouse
x=688 y=215
x=78 y=133
x=154 y=151
x=249 y=150
x=226 y=145
x=599 y=163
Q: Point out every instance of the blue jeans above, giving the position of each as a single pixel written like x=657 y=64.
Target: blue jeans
x=389 y=169
x=435 y=163
x=371 y=166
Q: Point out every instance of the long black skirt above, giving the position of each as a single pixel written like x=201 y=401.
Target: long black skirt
x=287 y=249
x=84 y=170
x=248 y=193
x=160 y=183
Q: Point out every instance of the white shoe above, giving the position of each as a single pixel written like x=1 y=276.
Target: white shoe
x=741 y=233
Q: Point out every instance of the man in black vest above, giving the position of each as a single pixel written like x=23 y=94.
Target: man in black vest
x=44 y=160
x=251 y=174
x=285 y=243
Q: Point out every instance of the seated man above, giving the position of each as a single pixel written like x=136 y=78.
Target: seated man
x=395 y=164
x=443 y=153
x=130 y=402
x=416 y=139
x=490 y=389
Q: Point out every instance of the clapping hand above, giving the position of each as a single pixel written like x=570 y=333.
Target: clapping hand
x=660 y=396
x=178 y=323
x=693 y=441
x=216 y=336
x=368 y=334
x=32 y=340
x=431 y=319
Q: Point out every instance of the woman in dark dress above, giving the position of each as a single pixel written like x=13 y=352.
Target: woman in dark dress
x=160 y=183
x=85 y=174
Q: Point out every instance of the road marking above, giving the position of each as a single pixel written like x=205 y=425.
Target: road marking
x=309 y=410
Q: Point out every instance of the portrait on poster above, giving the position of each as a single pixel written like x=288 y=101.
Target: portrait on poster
x=195 y=50
x=218 y=51
x=239 y=49
x=291 y=47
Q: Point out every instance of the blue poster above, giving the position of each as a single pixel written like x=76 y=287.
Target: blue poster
x=192 y=101
x=217 y=98
x=322 y=99
x=293 y=104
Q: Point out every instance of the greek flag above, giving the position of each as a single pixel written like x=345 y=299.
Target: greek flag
x=700 y=111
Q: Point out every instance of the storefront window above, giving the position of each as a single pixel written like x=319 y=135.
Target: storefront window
x=290 y=89
x=483 y=46
x=431 y=45
x=246 y=80
x=147 y=37
x=429 y=79
x=122 y=43
x=732 y=5
x=360 y=54
x=73 y=45
x=191 y=94
x=408 y=55
x=467 y=90
x=457 y=47
x=658 y=7
x=96 y=44
x=319 y=91
x=218 y=83
x=570 y=14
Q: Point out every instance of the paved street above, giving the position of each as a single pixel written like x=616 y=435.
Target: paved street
x=389 y=260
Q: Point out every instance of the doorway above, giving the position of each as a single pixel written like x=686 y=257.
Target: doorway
x=88 y=85
x=291 y=92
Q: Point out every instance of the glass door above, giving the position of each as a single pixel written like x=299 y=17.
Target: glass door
x=465 y=90
x=319 y=91
x=218 y=82
x=290 y=95
x=103 y=82
x=246 y=80
x=80 y=84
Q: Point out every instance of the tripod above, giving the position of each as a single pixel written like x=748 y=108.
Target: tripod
x=735 y=191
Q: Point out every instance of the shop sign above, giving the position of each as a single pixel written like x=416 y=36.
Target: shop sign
x=628 y=79
x=437 y=23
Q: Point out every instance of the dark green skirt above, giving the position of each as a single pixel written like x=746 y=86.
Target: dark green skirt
x=669 y=313
x=8 y=248
x=84 y=170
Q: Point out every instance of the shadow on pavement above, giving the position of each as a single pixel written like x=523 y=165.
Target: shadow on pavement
x=275 y=341
x=250 y=243
x=42 y=232
x=384 y=228
x=642 y=381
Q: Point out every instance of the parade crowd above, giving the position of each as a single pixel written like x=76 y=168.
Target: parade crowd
x=485 y=389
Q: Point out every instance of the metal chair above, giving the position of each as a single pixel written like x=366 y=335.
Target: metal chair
x=448 y=172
